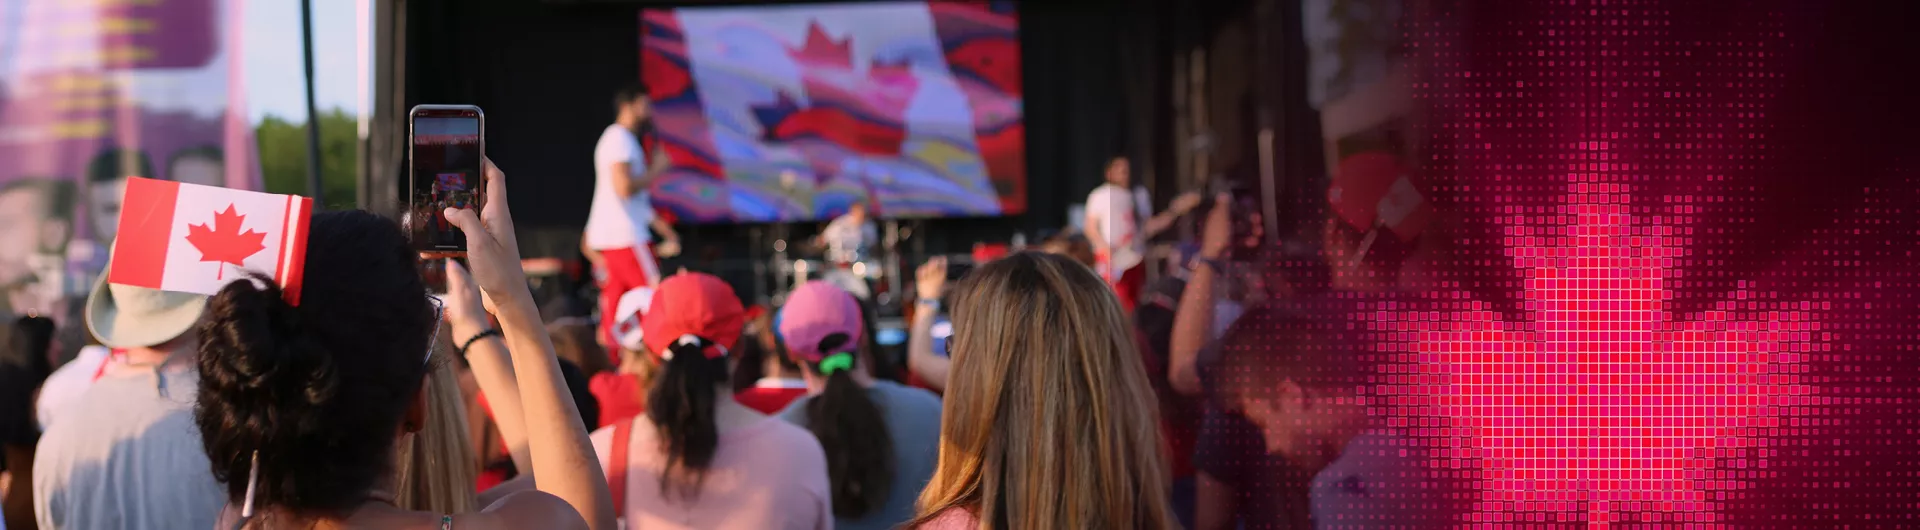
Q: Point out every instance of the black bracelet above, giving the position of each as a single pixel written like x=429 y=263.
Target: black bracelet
x=476 y=338
x=1211 y=263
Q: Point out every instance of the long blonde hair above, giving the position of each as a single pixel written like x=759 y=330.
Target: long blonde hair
x=437 y=469
x=1049 y=421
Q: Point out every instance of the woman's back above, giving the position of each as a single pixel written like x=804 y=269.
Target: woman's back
x=913 y=424
x=767 y=474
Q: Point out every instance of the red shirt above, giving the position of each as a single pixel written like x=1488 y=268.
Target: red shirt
x=620 y=395
x=770 y=396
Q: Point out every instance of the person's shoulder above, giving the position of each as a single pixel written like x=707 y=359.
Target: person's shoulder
x=793 y=444
x=778 y=431
x=614 y=140
x=616 y=132
x=955 y=518
x=523 y=509
x=795 y=411
x=910 y=396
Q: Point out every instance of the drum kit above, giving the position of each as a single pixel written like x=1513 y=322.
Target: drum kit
x=861 y=276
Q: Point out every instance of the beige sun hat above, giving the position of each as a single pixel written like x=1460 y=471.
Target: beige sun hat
x=125 y=316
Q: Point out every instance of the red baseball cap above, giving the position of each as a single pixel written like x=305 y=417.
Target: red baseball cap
x=693 y=304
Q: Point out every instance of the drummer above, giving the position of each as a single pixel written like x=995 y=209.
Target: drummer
x=849 y=237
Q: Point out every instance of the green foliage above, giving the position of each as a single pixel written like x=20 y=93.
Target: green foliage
x=283 y=157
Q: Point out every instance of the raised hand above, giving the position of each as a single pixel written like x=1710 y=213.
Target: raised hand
x=493 y=251
x=466 y=306
x=931 y=278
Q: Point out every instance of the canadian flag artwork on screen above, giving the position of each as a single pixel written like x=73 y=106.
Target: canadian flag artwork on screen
x=196 y=239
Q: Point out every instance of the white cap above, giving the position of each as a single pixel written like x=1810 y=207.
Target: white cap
x=626 y=327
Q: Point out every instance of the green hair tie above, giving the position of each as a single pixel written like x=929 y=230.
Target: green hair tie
x=836 y=362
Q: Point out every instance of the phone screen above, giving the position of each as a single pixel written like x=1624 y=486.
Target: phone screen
x=446 y=173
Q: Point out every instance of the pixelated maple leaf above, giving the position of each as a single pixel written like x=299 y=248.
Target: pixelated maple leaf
x=820 y=50
x=1602 y=400
x=224 y=242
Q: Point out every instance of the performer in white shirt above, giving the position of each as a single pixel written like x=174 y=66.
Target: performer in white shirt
x=850 y=236
x=617 y=238
x=1114 y=224
x=849 y=240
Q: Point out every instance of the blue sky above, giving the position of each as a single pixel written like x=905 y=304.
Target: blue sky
x=272 y=58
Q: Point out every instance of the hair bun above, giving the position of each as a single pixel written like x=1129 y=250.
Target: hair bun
x=262 y=381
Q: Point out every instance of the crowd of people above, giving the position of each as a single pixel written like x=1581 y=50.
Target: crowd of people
x=1043 y=389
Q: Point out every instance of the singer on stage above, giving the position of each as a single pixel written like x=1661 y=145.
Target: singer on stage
x=617 y=239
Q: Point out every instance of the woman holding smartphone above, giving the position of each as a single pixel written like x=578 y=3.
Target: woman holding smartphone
x=301 y=408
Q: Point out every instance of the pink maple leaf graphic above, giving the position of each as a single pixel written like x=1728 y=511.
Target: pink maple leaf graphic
x=1602 y=404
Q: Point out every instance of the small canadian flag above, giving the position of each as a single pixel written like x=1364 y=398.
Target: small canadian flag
x=197 y=239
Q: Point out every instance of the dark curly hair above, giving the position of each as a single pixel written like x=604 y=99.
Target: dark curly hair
x=318 y=390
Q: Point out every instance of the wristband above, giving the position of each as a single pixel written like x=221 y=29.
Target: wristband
x=494 y=332
x=1217 y=266
x=930 y=303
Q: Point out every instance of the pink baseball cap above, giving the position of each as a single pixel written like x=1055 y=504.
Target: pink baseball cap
x=815 y=311
x=693 y=305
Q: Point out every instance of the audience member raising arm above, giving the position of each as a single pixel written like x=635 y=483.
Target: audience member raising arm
x=301 y=407
x=487 y=356
x=931 y=366
x=558 y=449
x=1193 y=322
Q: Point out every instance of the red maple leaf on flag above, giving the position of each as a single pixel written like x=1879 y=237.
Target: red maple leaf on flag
x=822 y=51
x=224 y=242
x=1603 y=404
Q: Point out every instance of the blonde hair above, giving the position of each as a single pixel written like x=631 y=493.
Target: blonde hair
x=437 y=467
x=1049 y=420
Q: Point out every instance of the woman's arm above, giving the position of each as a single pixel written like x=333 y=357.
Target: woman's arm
x=491 y=364
x=562 y=458
x=1186 y=202
x=1193 y=320
x=931 y=367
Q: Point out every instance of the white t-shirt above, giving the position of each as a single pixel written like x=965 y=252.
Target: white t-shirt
x=614 y=222
x=67 y=384
x=847 y=241
x=1118 y=214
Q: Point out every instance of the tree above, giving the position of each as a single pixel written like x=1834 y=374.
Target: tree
x=283 y=157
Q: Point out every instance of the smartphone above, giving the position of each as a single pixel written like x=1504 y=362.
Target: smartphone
x=445 y=144
x=1245 y=206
